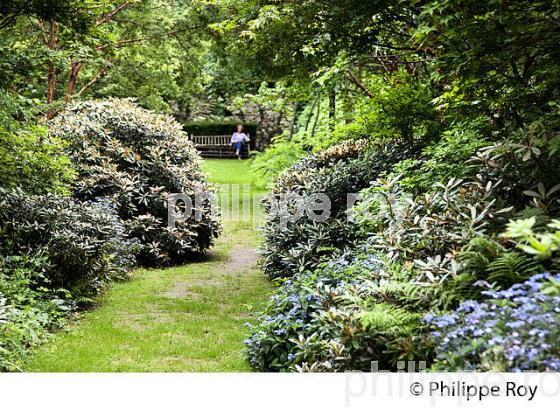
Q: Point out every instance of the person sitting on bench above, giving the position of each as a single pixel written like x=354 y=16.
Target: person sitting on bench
x=238 y=139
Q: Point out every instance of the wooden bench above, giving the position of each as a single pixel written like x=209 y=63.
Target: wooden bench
x=217 y=146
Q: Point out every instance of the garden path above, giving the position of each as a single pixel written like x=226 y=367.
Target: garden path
x=186 y=318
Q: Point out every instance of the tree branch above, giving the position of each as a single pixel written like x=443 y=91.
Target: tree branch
x=95 y=79
x=359 y=84
x=106 y=17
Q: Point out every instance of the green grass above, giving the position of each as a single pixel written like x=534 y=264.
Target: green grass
x=233 y=176
x=229 y=171
x=187 y=318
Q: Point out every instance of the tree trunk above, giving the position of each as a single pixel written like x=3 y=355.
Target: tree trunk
x=263 y=138
x=51 y=86
x=294 y=119
x=310 y=116
x=332 y=108
x=72 y=80
x=317 y=115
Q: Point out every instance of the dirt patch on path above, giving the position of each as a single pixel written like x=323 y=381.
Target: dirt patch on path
x=242 y=258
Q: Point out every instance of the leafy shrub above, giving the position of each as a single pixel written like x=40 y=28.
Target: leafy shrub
x=401 y=110
x=28 y=309
x=31 y=160
x=336 y=172
x=342 y=316
x=526 y=163
x=426 y=232
x=444 y=159
x=280 y=155
x=137 y=158
x=83 y=245
x=514 y=330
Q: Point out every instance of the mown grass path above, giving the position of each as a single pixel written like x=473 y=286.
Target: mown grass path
x=186 y=318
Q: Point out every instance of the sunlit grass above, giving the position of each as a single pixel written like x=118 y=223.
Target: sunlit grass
x=187 y=318
x=235 y=186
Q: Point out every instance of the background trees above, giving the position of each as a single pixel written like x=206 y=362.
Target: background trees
x=98 y=48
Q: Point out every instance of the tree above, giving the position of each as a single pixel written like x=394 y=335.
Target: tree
x=501 y=58
x=80 y=46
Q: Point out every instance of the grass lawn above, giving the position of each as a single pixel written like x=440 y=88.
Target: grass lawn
x=229 y=171
x=234 y=184
x=186 y=318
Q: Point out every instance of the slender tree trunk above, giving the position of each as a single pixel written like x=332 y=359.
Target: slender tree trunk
x=310 y=116
x=278 y=123
x=51 y=82
x=72 y=80
x=262 y=141
x=294 y=119
x=317 y=115
x=332 y=108
x=332 y=104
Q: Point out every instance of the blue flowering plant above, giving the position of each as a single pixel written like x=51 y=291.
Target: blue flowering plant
x=513 y=330
x=342 y=316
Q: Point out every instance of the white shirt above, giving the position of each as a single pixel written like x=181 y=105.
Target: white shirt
x=239 y=136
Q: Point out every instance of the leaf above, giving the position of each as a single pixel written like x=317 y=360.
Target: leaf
x=532 y=194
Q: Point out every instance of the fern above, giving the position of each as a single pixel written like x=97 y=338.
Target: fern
x=386 y=318
x=512 y=267
x=409 y=294
x=485 y=259
x=475 y=257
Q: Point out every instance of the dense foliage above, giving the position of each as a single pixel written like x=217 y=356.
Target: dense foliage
x=56 y=254
x=342 y=316
x=33 y=161
x=137 y=158
x=472 y=201
x=294 y=238
x=83 y=245
x=28 y=309
x=443 y=115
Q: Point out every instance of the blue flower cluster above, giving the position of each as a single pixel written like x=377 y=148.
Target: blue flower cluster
x=514 y=330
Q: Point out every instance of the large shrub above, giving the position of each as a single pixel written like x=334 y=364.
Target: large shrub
x=137 y=158
x=82 y=245
x=292 y=245
x=56 y=252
